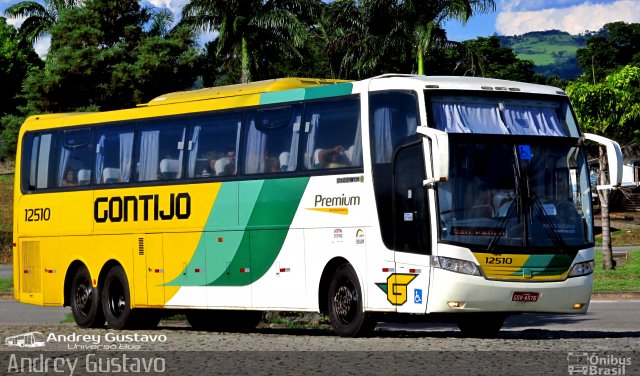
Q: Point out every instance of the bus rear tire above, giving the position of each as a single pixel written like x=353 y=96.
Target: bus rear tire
x=116 y=300
x=85 y=300
x=345 y=305
x=480 y=325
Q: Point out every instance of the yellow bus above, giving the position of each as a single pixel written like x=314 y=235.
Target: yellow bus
x=386 y=198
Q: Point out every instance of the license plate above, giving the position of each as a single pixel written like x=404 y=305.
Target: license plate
x=526 y=297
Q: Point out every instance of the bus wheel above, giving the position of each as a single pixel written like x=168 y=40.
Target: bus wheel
x=85 y=300
x=480 y=325
x=116 y=302
x=345 y=305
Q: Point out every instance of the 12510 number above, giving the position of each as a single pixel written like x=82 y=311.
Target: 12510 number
x=36 y=215
x=499 y=260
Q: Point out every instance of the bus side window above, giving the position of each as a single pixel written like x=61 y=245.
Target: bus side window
x=272 y=140
x=213 y=145
x=114 y=150
x=161 y=150
x=75 y=158
x=333 y=135
x=36 y=158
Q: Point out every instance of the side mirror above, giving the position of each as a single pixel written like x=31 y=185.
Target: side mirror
x=439 y=153
x=614 y=160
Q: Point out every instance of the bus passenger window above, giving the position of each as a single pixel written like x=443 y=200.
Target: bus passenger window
x=333 y=135
x=75 y=158
x=272 y=140
x=161 y=150
x=113 y=155
x=35 y=161
x=213 y=145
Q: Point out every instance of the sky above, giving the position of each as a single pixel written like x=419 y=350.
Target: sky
x=516 y=17
x=511 y=17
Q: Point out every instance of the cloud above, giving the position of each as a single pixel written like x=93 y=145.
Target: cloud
x=174 y=5
x=16 y=22
x=528 y=5
x=42 y=46
x=575 y=19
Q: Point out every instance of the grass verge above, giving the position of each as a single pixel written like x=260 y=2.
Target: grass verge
x=6 y=286
x=625 y=278
x=622 y=238
x=6 y=218
x=68 y=318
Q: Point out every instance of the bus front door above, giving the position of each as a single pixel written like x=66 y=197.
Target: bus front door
x=411 y=230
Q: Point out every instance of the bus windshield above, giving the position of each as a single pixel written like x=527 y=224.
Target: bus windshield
x=516 y=195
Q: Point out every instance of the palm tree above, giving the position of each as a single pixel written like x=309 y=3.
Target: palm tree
x=243 y=25
x=376 y=35
x=426 y=20
x=39 y=18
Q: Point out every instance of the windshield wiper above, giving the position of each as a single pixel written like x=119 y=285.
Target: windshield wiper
x=533 y=200
x=550 y=228
x=501 y=230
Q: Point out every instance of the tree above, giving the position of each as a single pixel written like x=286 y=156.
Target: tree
x=16 y=60
x=425 y=21
x=40 y=18
x=488 y=58
x=611 y=109
x=245 y=25
x=103 y=57
x=381 y=36
x=10 y=125
x=616 y=45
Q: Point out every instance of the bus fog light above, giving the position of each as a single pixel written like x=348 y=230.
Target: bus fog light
x=578 y=305
x=454 y=304
x=582 y=268
x=455 y=265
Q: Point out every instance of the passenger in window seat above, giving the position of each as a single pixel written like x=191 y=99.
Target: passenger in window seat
x=69 y=179
x=332 y=158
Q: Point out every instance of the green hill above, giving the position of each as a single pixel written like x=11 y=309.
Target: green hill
x=553 y=52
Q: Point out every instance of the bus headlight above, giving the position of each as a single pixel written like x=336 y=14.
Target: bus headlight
x=455 y=265
x=582 y=268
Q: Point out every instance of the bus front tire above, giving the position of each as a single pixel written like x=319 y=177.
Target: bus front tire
x=116 y=300
x=85 y=300
x=480 y=325
x=345 y=305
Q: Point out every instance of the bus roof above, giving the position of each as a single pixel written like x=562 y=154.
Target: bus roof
x=277 y=91
x=466 y=83
x=240 y=89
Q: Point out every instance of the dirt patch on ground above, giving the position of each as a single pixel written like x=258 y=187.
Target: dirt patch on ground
x=616 y=296
x=7 y=167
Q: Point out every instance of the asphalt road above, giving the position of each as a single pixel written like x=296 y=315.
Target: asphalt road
x=530 y=344
x=603 y=316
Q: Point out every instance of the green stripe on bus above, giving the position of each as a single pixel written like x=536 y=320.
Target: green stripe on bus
x=315 y=92
x=546 y=265
x=276 y=204
x=269 y=207
x=282 y=96
x=326 y=91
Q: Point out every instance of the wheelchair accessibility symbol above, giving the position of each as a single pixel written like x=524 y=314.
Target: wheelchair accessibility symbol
x=417 y=296
x=525 y=152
